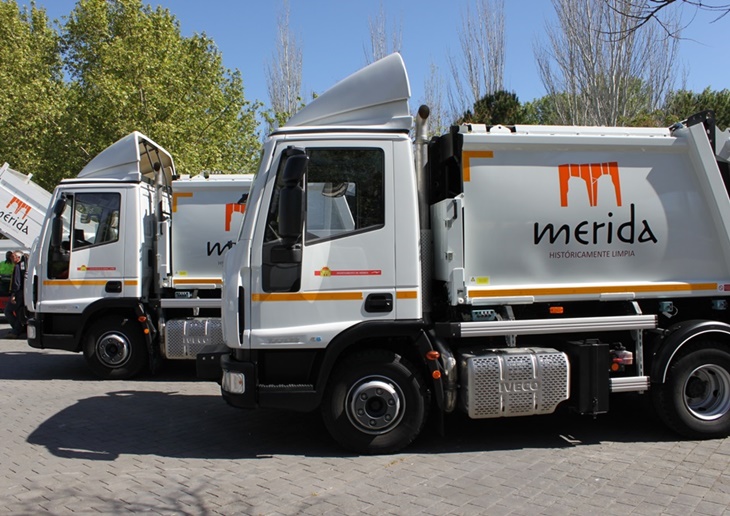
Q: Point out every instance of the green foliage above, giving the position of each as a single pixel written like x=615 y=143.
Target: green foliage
x=679 y=105
x=683 y=103
x=131 y=69
x=275 y=119
x=33 y=94
x=501 y=107
x=541 y=111
x=127 y=68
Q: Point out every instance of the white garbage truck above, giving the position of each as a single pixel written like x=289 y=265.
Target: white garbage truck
x=500 y=271
x=128 y=265
x=23 y=206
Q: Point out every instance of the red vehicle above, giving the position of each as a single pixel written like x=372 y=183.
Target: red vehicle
x=4 y=291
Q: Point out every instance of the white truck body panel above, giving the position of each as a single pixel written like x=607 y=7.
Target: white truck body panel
x=206 y=219
x=597 y=214
x=91 y=268
x=23 y=206
x=336 y=276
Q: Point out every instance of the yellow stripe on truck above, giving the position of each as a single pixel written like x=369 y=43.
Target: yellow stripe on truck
x=564 y=291
x=86 y=283
x=308 y=296
x=198 y=281
x=324 y=296
x=468 y=156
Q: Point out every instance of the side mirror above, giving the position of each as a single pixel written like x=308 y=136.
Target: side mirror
x=57 y=222
x=291 y=199
x=60 y=206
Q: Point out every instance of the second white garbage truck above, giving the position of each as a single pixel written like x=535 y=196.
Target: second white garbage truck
x=127 y=268
x=501 y=271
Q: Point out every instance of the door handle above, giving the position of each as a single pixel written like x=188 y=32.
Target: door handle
x=114 y=287
x=379 y=303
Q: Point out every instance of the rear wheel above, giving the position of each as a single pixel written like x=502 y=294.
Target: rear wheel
x=376 y=402
x=695 y=400
x=114 y=348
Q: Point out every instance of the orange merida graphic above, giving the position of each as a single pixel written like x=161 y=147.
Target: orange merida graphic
x=176 y=196
x=589 y=173
x=20 y=206
x=468 y=156
x=232 y=208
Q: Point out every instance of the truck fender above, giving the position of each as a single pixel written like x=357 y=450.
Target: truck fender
x=445 y=384
x=678 y=336
x=95 y=310
x=349 y=338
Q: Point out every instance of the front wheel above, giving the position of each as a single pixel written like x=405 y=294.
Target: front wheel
x=114 y=348
x=695 y=400
x=376 y=402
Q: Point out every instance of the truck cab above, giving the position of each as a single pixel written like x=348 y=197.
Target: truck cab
x=92 y=267
x=127 y=268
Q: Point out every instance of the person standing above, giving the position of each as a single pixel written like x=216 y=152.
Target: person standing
x=15 y=306
x=6 y=267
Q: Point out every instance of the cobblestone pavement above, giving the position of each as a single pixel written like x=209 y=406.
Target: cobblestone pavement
x=169 y=444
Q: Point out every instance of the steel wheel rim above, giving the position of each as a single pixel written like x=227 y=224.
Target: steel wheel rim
x=375 y=405
x=113 y=350
x=707 y=392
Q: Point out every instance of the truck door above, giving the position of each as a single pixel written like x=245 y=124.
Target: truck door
x=84 y=252
x=341 y=271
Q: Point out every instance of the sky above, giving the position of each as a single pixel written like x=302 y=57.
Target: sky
x=333 y=36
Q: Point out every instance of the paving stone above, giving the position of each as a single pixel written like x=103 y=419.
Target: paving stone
x=169 y=444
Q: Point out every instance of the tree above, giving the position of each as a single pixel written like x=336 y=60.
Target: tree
x=434 y=99
x=284 y=74
x=130 y=69
x=644 y=13
x=479 y=68
x=501 y=107
x=682 y=104
x=594 y=80
x=32 y=96
x=541 y=111
x=381 y=42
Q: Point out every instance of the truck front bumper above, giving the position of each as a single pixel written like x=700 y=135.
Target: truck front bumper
x=238 y=383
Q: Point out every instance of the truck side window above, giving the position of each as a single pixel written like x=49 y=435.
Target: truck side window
x=90 y=219
x=96 y=219
x=344 y=192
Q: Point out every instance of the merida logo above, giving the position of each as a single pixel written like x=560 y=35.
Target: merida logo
x=232 y=208
x=218 y=247
x=590 y=174
x=11 y=218
x=592 y=232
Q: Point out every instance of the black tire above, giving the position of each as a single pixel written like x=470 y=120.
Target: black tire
x=115 y=349
x=695 y=399
x=375 y=402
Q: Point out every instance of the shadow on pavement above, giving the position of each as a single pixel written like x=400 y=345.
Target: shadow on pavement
x=37 y=365
x=32 y=364
x=176 y=425
x=631 y=419
x=193 y=426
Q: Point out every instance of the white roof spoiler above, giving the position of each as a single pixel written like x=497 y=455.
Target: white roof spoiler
x=129 y=159
x=375 y=97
